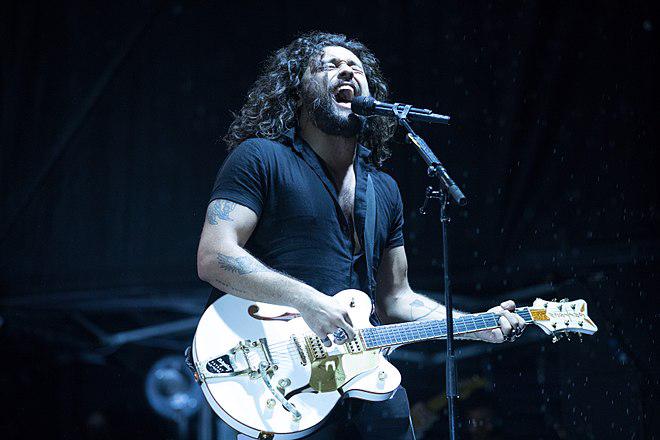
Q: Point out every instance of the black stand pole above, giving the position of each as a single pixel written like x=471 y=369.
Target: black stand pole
x=447 y=186
x=450 y=364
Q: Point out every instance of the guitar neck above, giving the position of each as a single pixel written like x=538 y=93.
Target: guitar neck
x=418 y=331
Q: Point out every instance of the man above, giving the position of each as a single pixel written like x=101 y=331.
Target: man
x=286 y=220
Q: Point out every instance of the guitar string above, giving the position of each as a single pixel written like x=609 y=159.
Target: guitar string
x=387 y=332
x=277 y=346
x=386 y=335
x=477 y=319
x=284 y=356
x=281 y=348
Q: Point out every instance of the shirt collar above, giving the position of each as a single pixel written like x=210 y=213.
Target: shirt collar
x=293 y=138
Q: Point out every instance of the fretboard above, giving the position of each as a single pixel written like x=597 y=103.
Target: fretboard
x=417 y=331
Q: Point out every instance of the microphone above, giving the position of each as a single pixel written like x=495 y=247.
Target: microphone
x=367 y=106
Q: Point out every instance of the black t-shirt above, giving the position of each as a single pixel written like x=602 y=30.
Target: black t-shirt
x=302 y=230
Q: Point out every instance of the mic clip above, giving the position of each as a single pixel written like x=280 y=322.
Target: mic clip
x=403 y=112
x=430 y=194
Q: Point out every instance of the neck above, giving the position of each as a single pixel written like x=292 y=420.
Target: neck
x=417 y=331
x=337 y=152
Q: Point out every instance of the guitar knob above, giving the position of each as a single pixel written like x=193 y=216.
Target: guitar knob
x=270 y=403
x=283 y=383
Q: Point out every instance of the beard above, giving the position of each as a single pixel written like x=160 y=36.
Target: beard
x=319 y=101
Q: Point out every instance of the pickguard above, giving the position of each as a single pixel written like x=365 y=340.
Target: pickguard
x=331 y=372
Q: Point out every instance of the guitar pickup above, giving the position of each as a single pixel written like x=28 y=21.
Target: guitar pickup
x=316 y=348
x=355 y=345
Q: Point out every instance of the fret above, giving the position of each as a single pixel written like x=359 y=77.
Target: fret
x=525 y=314
x=416 y=331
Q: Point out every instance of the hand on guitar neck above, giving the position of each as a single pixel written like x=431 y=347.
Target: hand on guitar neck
x=511 y=325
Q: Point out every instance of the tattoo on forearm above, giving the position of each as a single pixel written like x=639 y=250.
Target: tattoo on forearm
x=220 y=210
x=419 y=304
x=240 y=265
x=229 y=287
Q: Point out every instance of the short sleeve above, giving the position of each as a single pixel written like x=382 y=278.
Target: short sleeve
x=395 y=236
x=243 y=177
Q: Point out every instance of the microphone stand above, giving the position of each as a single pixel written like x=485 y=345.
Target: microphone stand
x=447 y=186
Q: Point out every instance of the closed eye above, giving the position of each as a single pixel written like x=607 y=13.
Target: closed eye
x=334 y=64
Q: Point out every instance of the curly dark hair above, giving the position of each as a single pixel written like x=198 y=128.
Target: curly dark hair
x=271 y=106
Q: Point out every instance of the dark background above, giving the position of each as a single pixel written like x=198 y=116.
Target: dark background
x=110 y=117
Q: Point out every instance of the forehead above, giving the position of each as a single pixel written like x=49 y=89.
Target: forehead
x=340 y=53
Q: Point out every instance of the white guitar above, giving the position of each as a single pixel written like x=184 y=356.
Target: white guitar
x=267 y=375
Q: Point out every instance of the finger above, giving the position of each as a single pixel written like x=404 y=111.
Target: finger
x=322 y=334
x=339 y=336
x=342 y=339
x=508 y=305
x=505 y=326
x=347 y=318
x=497 y=336
x=521 y=324
x=513 y=322
x=326 y=341
x=350 y=333
x=345 y=324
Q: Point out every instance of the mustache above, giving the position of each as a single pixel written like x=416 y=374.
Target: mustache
x=318 y=94
x=354 y=84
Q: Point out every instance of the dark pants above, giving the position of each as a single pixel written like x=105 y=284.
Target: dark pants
x=361 y=419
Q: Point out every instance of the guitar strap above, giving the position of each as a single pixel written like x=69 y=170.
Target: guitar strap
x=369 y=231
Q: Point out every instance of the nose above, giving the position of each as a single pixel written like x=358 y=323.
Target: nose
x=345 y=72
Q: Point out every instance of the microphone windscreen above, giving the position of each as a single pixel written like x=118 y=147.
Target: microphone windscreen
x=363 y=105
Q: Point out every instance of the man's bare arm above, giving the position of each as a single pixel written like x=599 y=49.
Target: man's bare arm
x=223 y=262
x=397 y=302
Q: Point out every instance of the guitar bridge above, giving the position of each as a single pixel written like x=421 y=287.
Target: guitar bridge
x=299 y=349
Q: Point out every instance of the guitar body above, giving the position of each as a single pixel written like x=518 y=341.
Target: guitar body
x=263 y=372
x=267 y=375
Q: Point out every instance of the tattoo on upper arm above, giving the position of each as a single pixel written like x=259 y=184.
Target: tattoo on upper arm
x=220 y=210
x=240 y=265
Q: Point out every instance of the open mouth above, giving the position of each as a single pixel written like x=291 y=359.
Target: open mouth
x=344 y=95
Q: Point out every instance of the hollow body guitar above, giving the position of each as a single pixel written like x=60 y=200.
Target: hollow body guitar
x=267 y=375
